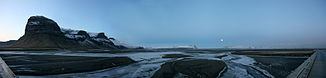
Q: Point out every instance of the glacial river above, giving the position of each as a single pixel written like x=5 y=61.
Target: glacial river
x=239 y=66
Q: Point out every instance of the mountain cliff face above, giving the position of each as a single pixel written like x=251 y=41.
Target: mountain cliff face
x=41 y=25
x=42 y=32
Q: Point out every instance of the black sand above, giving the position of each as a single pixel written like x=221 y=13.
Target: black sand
x=278 y=66
x=175 y=56
x=54 y=64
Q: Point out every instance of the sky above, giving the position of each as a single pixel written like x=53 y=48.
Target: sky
x=164 y=23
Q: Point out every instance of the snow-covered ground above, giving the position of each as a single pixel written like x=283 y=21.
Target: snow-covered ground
x=239 y=66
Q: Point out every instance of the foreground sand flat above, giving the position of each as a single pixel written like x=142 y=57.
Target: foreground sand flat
x=54 y=64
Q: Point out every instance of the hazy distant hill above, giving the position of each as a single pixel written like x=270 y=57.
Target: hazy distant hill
x=42 y=32
x=7 y=42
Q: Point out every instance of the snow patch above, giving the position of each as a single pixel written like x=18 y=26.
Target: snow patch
x=34 y=23
x=74 y=36
x=122 y=43
x=69 y=31
x=91 y=34
x=180 y=75
x=101 y=40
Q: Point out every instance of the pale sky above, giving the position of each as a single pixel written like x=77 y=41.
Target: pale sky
x=161 y=23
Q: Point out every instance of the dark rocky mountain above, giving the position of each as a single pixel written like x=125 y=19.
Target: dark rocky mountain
x=42 y=32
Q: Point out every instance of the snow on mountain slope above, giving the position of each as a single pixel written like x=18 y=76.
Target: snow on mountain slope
x=95 y=39
x=122 y=43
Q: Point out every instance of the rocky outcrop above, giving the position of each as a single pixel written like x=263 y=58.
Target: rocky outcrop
x=101 y=35
x=42 y=25
x=191 y=68
x=83 y=33
x=42 y=32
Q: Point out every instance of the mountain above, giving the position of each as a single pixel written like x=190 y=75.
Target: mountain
x=42 y=32
x=7 y=42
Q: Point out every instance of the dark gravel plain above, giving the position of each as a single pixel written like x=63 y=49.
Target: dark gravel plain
x=55 y=64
